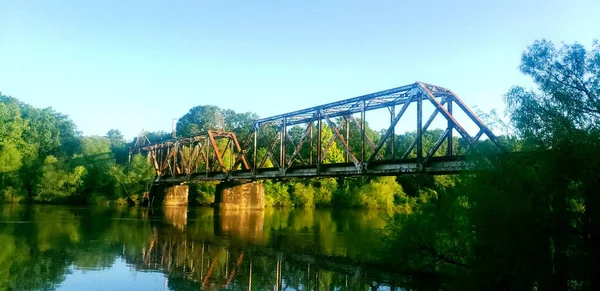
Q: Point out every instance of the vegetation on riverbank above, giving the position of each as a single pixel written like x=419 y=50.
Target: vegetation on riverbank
x=45 y=159
x=531 y=223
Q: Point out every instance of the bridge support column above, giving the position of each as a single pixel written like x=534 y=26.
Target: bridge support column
x=236 y=195
x=176 y=195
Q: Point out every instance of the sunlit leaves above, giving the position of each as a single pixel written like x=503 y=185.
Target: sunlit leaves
x=57 y=183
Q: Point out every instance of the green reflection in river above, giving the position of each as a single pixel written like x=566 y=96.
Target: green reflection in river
x=195 y=248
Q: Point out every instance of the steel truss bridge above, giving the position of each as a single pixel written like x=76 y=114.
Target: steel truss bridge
x=270 y=150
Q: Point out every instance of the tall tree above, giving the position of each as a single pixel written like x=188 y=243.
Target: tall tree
x=200 y=119
x=118 y=146
x=546 y=204
x=209 y=117
x=11 y=129
x=568 y=95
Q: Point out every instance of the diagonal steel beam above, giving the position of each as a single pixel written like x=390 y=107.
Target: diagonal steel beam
x=329 y=143
x=477 y=121
x=269 y=154
x=307 y=133
x=425 y=127
x=477 y=137
x=390 y=129
x=182 y=160
x=240 y=151
x=211 y=136
x=291 y=139
x=341 y=138
x=243 y=151
x=445 y=112
x=152 y=156
x=437 y=145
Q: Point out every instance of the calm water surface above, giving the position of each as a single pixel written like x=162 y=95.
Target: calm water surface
x=103 y=248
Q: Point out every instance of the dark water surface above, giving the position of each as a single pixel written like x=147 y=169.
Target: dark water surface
x=104 y=248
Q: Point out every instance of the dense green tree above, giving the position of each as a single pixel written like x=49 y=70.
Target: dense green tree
x=562 y=117
x=155 y=136
x=568 y=98
x=134 y=180
x=200 y=119
x=118 y=145
x=55 y=183
x=209 y=117
x=11 y=130
x=302 y=195
x=97 y=158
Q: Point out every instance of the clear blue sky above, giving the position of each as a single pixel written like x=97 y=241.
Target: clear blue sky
x=139 y=64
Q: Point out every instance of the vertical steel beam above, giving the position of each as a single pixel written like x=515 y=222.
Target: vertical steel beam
x=175 y=152
x=369 y=141
x=207 y=156
x=255 y=148
x=389 y=130
x=231 y=156
x=310 y=159
x=282 y=145
x=347 y=137
x=319 y=132
x=393 y=137
x=419 y=128
x=362 y=131
x=449 y=146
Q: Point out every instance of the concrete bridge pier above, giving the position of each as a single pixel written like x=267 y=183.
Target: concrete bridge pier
x=172 y=195
x=238 y=195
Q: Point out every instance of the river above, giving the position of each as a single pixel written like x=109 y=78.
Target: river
x=179 y=248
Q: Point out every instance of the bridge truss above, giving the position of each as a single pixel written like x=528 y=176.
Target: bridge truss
x=271 y=150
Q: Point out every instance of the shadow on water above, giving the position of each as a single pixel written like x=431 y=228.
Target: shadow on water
x=47 y=247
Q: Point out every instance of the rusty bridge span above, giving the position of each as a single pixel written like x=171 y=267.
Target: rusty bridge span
x=299 y=144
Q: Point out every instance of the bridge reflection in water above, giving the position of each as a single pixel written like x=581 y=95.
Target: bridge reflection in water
x=240 y=254
x=75 y=248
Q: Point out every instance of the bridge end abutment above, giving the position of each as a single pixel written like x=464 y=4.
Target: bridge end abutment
x=242 y=196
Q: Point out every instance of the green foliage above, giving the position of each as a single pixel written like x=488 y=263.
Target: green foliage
x=12 y=195
x=302 y=194
x=529 y=222
x=203 y=193
x=198 y=120
x=561 y=210
x=57 y=184
x=95 y=145
x=207 y=117
x=118 y=145
x=568 y=98
x=276 y=194
x=335 y=153
x=10 y=158
x=134 y=180
x=11 y=142
x=324 y=189
x=376 y=193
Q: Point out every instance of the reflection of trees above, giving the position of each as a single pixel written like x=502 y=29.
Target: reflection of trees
x=208 y=248
x=31 y=262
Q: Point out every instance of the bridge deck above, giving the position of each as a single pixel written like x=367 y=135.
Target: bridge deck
x=435 y=166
